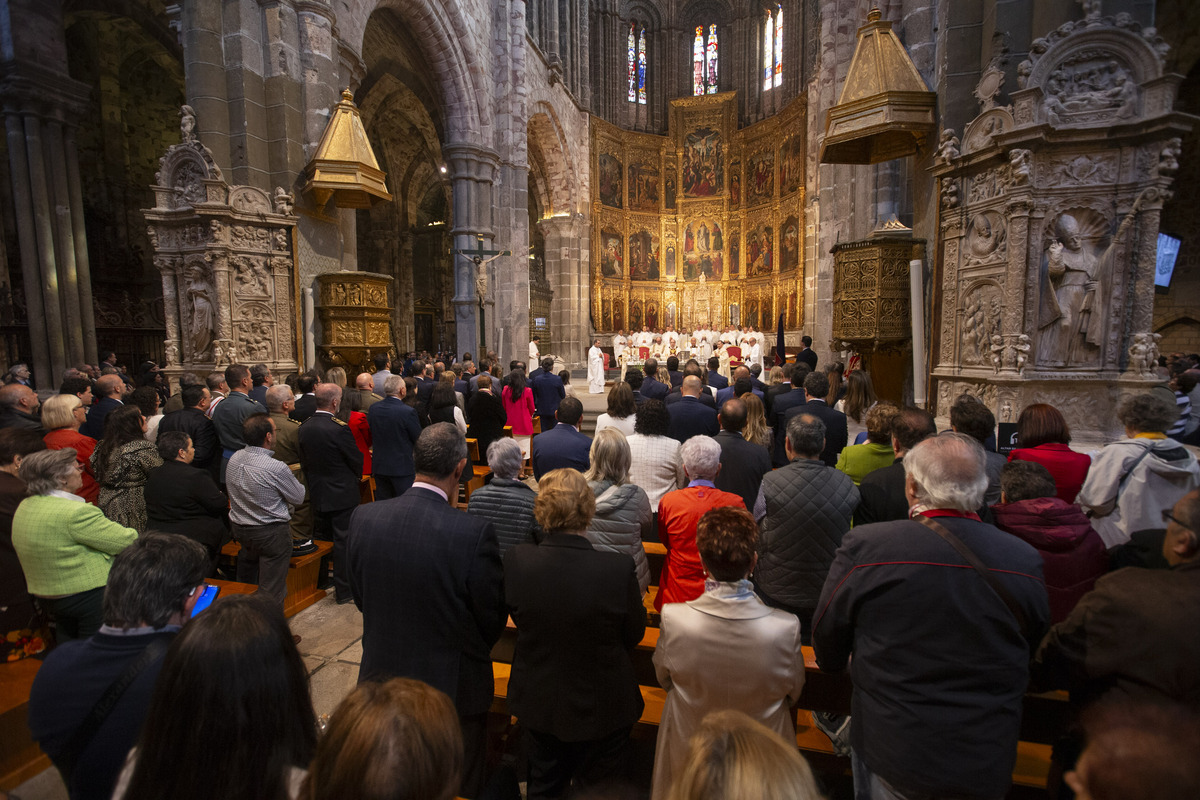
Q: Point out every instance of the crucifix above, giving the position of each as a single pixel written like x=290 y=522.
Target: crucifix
x=476 y=256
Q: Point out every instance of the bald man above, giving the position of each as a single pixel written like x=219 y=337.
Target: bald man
x=690 y=417
x=364 y=384
x=108 y=397
x=18 y=408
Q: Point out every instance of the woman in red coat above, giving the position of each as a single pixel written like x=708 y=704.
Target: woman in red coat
x=518 y=405
x=62 y=415
x=1043 y=435
x=679 y=513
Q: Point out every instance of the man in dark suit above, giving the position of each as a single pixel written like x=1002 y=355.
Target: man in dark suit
x=261 y=379
x=306 y=403
x=690 y=417
x=634 y=379
x=706 y=397
x=755 y=372
x=564 y=446
x=816 y=386
x=742 y=374
x=795 y=396
x=332 y=465
x=806 y=354
x=743 y=464
x=394 y=432
x=715 y=378
x=425 y=384
x=462 y=384
x=485 y=374
x=548 y=392
x=108 y=390
x=882 y=491
x=673 y=371
x=192 y=420
x=186 y=501
x=428 y=580
x=777 y=389
x=651 y=388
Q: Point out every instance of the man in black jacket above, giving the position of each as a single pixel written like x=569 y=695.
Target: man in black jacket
x=427 y=578
x=653 y=389
x=332 y=465
x=186 y=501
x=192 y=420
x=882 y=491
x=690 y=417
x=152 y=588
x=743 y=464
x=816 y=386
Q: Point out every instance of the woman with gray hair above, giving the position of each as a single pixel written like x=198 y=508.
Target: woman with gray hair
x=65 y=545
x=679 y=513
x=623 y=517
x=1133 y=479
x=506 y=501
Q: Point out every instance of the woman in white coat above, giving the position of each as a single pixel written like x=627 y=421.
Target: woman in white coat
x=725 y=649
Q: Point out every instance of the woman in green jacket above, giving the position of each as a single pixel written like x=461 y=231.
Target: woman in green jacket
x=876 y=452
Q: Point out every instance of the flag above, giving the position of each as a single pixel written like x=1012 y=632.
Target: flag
x=780 y=353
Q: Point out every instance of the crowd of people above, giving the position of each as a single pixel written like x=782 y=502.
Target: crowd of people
x=948 y=578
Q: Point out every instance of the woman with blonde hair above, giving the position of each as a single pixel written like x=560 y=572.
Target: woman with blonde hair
x=62 y=415
x=623 y=517
x=732 y=756
x=397 y=740
x=579 y=615
x=776 y=376
x=757 y=430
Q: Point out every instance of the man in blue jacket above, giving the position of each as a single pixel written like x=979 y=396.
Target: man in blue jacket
x=548 y=392
x=564 y=446
x=394 y=432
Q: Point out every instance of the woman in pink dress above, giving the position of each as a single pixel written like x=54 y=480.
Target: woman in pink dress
x=518 y=406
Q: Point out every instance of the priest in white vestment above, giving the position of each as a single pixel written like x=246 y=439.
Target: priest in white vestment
x=534 y=355
x=595 y=373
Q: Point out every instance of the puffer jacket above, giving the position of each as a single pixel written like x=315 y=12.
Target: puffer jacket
x=1136 y=479
x=622 y=516
x=509 y=505
x=809 y=506
x=1073 y=555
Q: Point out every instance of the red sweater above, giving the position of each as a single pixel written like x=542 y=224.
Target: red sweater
x=1073 y=554
x=1068 y=467
x=61 y=439
x=679 y=513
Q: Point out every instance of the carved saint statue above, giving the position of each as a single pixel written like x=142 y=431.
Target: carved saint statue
x=202 y=317
x=187 y=124
x=1071 y=313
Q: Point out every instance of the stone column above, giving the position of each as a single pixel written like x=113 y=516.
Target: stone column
x=168 y=267
x=27 y=243
x=472 y=172
x=68 y=275
x=40 y=197
x=568 y=271
x=83 y=269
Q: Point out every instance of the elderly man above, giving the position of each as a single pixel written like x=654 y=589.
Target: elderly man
x=108 y=393
x=261 y=377
x=260 y=490
x=395 y=429
x=1128 y=638
x=364 y=385
x=233 y=411
x=152 y=588
x=689 y=416
x=743 y=464
x=428 y=580
x=742 y=372
x=332 y=466
x=940 y=613
x=287 y=450
x=679 y=513
x=192 y=420
x=804 y=510
x=218 y=388
x=563 y=445
x=18 y=408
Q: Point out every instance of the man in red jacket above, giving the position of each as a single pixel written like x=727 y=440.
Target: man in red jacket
x=1073 y=554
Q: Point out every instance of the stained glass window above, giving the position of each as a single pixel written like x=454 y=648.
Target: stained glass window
x=698 y=61
x=778 y=45
x=712 y=59
x=641 y=76
x=631 y=64
x=768 y=50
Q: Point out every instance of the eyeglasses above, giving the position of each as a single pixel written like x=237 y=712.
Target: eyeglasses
x=1169 y=517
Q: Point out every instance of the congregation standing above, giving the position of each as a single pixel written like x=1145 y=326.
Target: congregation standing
x=947 y=578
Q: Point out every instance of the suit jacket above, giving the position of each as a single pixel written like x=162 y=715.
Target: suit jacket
x=835 y=427
x=180 y=499
x=882 y=495
x=779 y=408
x=428 y=580
x=676 y=378
x=259 y=394
x=548 y=392
x=424 y=391
x=199 y=427
x=94 y=426
x=706 y=397
x=488 y=418
x=653 y=390
x=807 y=356
x=690 y=417
x=394 y=431
x=727 y=392
x=304 y=408
x=561 y=446
x=770 y=395
x=743 y=465
x=717 y=380
x=332 y=463
x=579 y=615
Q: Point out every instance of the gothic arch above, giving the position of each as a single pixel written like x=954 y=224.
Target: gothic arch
x=548 y=151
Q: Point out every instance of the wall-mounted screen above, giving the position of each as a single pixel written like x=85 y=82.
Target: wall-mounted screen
x=1164 y=263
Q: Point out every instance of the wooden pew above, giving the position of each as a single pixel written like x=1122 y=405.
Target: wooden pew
x=304 y=572
x=20 y=757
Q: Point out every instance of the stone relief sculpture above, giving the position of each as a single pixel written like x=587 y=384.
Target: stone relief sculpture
x=283 y=201
x=985 y=239
x=1143 y=353
x=947 y=148
x=1071 y=317
x=187 y=124
x=981 y=321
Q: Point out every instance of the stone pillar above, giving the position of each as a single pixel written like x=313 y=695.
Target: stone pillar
x=27 y=243
x=204 y=76
x=569 y=272
x=68 y=275
x=83 y=269
x=552 y=32
x=472 y=172
x=39 y=195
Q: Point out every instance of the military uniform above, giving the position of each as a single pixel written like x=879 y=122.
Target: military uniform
x=332 y=466
x=287 y=450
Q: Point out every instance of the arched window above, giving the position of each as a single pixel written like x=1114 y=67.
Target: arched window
x=773 y=48
x=704 y=61
x=637 y=63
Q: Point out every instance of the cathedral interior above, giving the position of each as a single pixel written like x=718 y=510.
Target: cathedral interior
x=972 y=196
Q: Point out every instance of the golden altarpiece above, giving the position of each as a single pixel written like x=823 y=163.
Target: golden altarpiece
x=702 y=227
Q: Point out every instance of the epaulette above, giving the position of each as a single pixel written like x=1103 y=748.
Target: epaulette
x=340 y=422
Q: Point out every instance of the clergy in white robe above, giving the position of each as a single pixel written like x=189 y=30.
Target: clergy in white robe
x=619 y=344
x=595 y=373
x=534 y=355
x=755 y=356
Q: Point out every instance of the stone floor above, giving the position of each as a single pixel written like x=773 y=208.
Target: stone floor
x=331 y=645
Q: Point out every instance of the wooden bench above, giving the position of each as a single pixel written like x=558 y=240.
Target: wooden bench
x=20 y=757
x=304 y=572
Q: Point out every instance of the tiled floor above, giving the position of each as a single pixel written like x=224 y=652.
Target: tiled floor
x=331 y=645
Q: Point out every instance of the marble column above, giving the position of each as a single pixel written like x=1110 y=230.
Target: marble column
x=472 y=173
x=27 y=245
